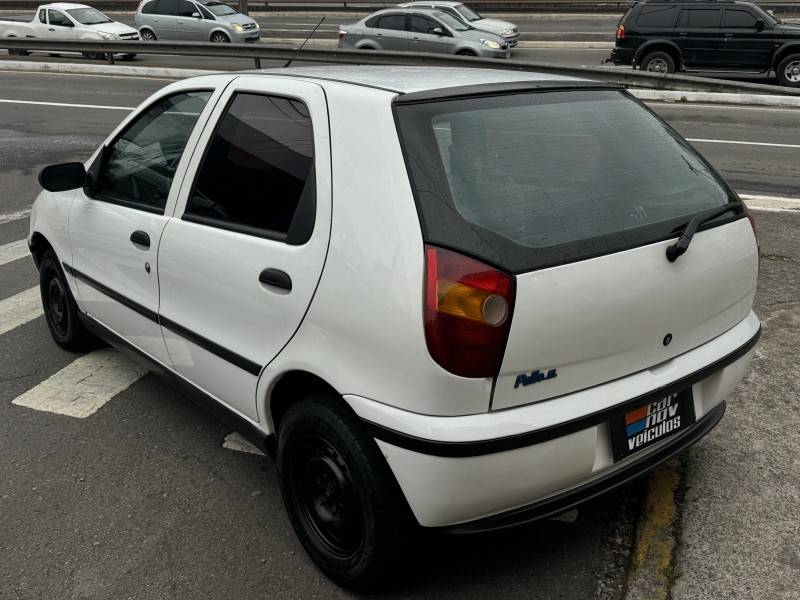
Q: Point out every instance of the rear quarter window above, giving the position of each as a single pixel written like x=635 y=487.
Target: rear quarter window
x=530 y=180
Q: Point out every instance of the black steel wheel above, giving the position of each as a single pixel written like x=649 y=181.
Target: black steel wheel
x=342 y=500
x=60 y=310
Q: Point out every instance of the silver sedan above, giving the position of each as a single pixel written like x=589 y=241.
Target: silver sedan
x=420 y=30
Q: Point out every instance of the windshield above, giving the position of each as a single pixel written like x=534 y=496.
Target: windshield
x=467 y=13
x=88 y=16
x=220 y=9
x=531 y=180
x=451 y=21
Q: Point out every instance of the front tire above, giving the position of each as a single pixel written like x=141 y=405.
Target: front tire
x=18 y=53
x=94 y=55
x=219 y=38
x=466 y=53
x=60 y=309
x=658 y=62
x=343 y=502
x=128 y=57
x=788 y=71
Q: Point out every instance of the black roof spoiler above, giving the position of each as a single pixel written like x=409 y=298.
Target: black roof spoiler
x=497 y=89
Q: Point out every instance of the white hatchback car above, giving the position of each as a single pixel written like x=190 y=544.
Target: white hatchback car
x=460 y=298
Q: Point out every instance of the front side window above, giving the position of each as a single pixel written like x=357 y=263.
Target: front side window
x=258 y=169
x=701 y=18
x=150 y=8
x=393 y=22
x=59 y=19
x=166 y=7
x=739 y=19
x=141 y=163
x=423 y=25
x=186 y=8
x=530 y=180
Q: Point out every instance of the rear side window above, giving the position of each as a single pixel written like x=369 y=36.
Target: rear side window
x=531 y=180
x=738 y=19
x=395 y=22
x=658 y=16
x=258 y=170
x=701 y=18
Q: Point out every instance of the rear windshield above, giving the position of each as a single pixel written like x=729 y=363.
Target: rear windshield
x=530 y=180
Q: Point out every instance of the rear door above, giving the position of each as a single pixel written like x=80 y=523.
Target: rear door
x=165 y=18
x=239 y=264
x=743 y=45
x=390 y=32
x=581 y=208
x=699 y=37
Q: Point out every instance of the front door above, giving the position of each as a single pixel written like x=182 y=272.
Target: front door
x=61 y=25
x=422 y=37
x=115 y=234
x=698 y=37
x=239 y=263
x=744 y=46
x=188 y=27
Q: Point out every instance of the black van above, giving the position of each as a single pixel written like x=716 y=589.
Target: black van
x=665 y=36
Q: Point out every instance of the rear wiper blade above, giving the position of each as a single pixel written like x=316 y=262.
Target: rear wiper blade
x=688 y=231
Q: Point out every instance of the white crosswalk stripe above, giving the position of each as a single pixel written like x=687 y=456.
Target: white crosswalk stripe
x=19 y=309
x=13 y=251
x=82 y=387
x=14 y=216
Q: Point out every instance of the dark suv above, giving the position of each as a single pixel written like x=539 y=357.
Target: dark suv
x=666 y=36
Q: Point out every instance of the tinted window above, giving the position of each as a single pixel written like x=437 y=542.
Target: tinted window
x=739 y=19
x=423 y=24
x=149 y=8
x=658 y=16
x=206 y=14
x=143 y=160
x=701 y=18
x=452 y=22
x=42 y=16
x=395 y=22
x=60 y=19
x=530 y=180
x=258 y=166
x=166 y=7
x=186 y=9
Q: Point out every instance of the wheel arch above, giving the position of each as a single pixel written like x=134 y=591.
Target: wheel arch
x=221 y=30
x=658 y=46
x=292 y=386
x=783 y=52
x=38 y=245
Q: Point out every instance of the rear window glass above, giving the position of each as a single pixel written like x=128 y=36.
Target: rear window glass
x=658 y=16
x=536 y=179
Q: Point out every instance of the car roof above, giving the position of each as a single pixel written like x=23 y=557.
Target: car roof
x=65 y=5
x=411 y=10
x=436 y=2
x=406 y=80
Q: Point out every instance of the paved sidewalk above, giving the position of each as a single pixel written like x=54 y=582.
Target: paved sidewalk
x=740 y=531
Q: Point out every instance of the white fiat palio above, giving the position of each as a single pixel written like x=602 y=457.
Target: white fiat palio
x=463 y=299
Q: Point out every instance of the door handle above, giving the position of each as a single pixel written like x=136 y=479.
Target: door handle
x=140 y=238
x=276 y=278
x=50 y=29
x=728 y=35
x=683 y=34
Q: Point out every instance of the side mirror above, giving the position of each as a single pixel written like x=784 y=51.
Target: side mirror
x=196 y=15
x=760 y=25
x=63 y=177
x=437 y=31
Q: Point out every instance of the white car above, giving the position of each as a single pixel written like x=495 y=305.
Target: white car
x=458 y=298
x=66 y=21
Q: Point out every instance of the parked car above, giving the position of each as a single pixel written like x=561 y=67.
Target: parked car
x=421 y=30
x=505 y=29
x=458 y=298
x=66 y=21
x=197 y=20
x=724 y=35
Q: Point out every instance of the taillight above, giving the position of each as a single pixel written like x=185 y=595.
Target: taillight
x=468 y=307
x=621 y=32
x=342 y=34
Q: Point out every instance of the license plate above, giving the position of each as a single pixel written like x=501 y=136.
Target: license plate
x=647 y=424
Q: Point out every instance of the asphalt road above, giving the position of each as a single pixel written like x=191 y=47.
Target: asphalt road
x=140 y=500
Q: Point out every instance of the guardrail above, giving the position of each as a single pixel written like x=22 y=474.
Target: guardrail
x=263 y=52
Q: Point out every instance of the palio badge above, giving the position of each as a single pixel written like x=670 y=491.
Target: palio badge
x=535 y=377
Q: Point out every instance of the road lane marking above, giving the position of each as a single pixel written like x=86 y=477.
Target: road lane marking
x=14 y=216
x=707 y=141
x=717 y=106
x=67 y=105
x=82 y=387
x=234 y=441
x=19 y=309
x=13 y=251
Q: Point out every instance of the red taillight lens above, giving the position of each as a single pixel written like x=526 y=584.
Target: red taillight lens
x=468 y=307
x=621 y=32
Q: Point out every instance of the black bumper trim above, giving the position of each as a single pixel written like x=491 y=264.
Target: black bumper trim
x=569 y=499
x=513 y=442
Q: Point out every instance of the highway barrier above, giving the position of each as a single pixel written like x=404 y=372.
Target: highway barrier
x=263 y=52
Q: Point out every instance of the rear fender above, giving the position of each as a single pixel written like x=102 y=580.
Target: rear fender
x=656 y=45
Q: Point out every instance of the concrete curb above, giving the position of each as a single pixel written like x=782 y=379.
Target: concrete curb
x=651 y=568
x=172 y=73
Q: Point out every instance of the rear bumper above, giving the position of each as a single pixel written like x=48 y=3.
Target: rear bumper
x=504 y=467
x=623 y=56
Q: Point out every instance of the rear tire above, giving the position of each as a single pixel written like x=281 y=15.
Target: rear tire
x=128 y=57
x=788 y=71
x=94 y=55
x=18 y=53
x=343 y=502
x=658 y=62
x=147 y=36
x=60 y=309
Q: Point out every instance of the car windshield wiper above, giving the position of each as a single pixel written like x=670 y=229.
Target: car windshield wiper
x=688 y=230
